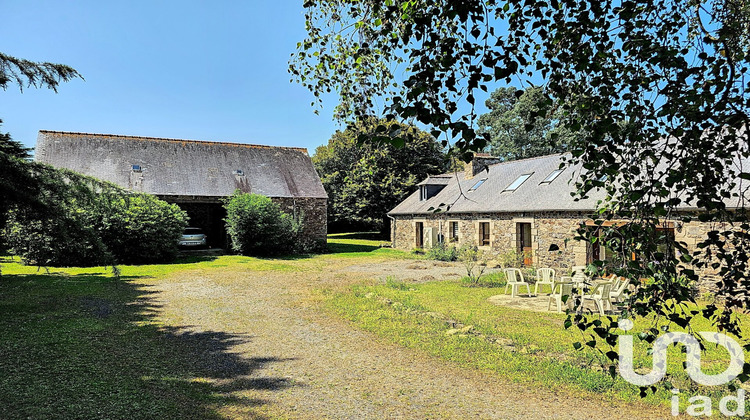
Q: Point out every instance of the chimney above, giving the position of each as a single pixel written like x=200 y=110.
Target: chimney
x=478 y=164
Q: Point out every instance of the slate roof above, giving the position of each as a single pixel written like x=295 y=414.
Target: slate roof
x=183 y=167
x=531 y=196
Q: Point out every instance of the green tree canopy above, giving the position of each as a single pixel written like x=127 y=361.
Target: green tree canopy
x=12 y=147
x=657 y=91
x=517 y=127
x=366 y=180
x=17 y=177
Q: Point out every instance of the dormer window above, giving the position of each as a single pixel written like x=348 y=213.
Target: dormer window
x=428 y=191
x=517 y=183
x=136 y=168
x=477 y=185
x=551 y=177
x=432 y=186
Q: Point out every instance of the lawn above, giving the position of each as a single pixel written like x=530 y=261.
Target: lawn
x=523 y=346
x=81 y=343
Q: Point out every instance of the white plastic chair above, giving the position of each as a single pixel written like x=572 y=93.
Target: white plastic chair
x=600 y=294
x=544 y=276
x=515 y=280
x=560 y=289
x=578 y=277
x=620 y=292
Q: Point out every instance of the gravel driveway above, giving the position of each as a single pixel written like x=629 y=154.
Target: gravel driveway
x=310 y=365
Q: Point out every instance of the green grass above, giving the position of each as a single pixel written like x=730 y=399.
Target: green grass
x=85 y=345
x=534 y=347
x=361 y=244
x=78 y=343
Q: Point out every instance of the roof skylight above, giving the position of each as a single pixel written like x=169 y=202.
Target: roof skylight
x=517 y=183
x=551 y=177
x=477 y=185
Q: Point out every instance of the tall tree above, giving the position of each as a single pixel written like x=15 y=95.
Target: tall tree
x=365 y=180
x=12 y=147
x=17 y=175
x=518 y=129
x=657 y=90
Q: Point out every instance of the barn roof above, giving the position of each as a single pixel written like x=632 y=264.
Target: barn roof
x=183 y=167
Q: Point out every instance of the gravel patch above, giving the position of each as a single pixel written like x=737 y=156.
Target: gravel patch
x=330 y=369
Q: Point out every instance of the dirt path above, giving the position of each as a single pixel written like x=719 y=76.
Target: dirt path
x=309 y=365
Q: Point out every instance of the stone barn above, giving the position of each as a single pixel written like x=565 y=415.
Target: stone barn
x=196 y=175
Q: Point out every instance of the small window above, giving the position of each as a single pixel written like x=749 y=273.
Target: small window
x=136 y=168
x=517 y=183
x=477 y=185
x=551 y=177
x=484 y=233
x=454 y=231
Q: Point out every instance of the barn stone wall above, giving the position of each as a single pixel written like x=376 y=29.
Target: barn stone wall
x=314 y=213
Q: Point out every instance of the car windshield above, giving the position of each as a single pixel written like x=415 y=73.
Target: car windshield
x=193 y=231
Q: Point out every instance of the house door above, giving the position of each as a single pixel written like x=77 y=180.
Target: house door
x=419 y=235
x=523 y=233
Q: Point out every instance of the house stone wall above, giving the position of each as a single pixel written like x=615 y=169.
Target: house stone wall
x=555 y=230
x=692 y=233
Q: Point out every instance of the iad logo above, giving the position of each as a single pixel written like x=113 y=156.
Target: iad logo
x=692 y=366
x=693 y=359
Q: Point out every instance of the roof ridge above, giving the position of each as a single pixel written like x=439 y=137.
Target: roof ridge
x=207 y=142
x=528 y=158
x=461 y=171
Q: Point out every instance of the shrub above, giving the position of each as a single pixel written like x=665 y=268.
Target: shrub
x=496 y=279
x=142 y=228
x=257 y=226
x=81 y=221
x=475 y=262
x=442 y=252
x=65 y=240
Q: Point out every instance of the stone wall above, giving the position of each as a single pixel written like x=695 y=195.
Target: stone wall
x=553 y=233
x=692 y=234
x=549 y=228
x=314 y=213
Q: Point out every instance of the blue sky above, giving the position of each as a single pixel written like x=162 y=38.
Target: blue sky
x=193 y=70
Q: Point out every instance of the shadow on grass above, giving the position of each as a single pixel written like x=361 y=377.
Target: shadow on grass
x=88 y=347
x=339 y=248
x=370 y=236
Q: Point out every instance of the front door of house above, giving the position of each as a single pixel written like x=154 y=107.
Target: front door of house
x=419 y=235
x=523 y=232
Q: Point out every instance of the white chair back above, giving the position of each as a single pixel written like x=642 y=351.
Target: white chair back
x=546 y=275
x=513 y=275
x=622 y=286
x=616 y=281
x=602 y=290
x=579 y=272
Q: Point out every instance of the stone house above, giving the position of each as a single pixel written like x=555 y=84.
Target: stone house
x=524 y=206
x=196 y=175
